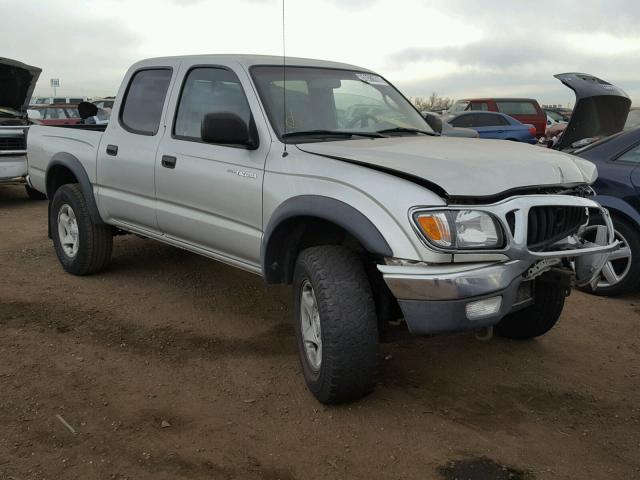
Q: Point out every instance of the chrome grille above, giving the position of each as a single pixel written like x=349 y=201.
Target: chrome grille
x=12 y=143
x=548 y=224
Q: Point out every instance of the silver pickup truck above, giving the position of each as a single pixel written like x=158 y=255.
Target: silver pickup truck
x=323 y=176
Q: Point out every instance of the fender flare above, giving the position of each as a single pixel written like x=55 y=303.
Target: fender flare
x=329 y=209
x=618 y=205
x=73 y=164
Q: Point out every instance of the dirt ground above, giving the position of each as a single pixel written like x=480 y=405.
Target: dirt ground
x=172 y=366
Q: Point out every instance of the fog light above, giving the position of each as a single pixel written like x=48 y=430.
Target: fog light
x=483 y=308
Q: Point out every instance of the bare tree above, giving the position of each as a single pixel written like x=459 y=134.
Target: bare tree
x=433 y=102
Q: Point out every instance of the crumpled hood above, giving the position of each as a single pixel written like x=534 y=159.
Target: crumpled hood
x=463 y=167
x=17 y=81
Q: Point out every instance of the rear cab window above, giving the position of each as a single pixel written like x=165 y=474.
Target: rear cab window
x=144 y=99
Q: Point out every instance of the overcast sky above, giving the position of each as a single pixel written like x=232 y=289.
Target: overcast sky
x=457 y=48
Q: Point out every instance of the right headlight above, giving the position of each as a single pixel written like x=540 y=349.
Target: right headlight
x=460 y=229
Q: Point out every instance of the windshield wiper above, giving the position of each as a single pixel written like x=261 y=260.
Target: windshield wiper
x=406 y=130
x=331 y=133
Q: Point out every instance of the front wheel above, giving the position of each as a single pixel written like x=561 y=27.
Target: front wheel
x=621 y=273
x=82 y=246
x=537 y=319
x=336 y=325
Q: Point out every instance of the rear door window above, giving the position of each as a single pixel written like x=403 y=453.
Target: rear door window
x=143 y=103
x=464 y=121
x=489 y=120
x=517 y=108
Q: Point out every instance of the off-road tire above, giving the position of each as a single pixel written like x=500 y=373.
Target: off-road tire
x=349 y=330
x=95 y=240
x=631 y=281
x=34 y=194
x=537 y=319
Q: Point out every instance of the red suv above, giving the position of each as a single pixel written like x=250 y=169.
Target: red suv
x=526 y=110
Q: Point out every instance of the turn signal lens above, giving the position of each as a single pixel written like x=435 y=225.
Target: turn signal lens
x=435 y=227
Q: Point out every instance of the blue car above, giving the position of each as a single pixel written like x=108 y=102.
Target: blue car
x=495 y=125
x=618 y=189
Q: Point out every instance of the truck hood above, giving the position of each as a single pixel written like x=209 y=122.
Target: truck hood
x=17 y=81
x=462 y=167
x=601 y=109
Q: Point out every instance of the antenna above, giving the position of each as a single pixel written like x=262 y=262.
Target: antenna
x=284 y=81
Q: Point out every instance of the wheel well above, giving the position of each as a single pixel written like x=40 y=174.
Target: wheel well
x=298 y=233
x=57 y=176
x=615 y=213
x=294 y=235
x=623 y=216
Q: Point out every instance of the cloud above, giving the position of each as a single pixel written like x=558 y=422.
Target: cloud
x=88 y=54
x=523 y=45
x=612 y=16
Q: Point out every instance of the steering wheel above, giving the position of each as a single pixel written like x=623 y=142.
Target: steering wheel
x=363 y=119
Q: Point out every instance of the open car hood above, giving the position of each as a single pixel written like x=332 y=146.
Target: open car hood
x=461 y=167
x=601 y=109
x=17 y=82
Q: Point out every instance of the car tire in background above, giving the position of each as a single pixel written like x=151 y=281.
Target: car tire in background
x=82 y=246
x=621 y=273
x=34 y=194
x=336 y=324
x=537 y=319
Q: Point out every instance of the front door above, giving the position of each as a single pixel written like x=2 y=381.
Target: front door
x=210 y=196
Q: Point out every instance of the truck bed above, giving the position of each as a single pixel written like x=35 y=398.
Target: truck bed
x=45 y=142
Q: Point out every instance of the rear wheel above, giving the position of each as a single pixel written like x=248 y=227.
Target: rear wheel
x=336 y=324
x=621 y=273
x=537 y=319
x=82 y=246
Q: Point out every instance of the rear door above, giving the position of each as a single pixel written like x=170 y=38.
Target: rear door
x=210 y=196
x=127 y=152
x=526 y=111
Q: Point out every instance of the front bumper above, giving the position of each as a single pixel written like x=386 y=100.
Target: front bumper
x=12 y=167
x=434 y=298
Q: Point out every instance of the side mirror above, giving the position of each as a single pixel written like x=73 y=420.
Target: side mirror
x=434 y=122
x=226 y=128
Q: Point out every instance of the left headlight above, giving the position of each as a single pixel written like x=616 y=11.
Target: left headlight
x=460 y=229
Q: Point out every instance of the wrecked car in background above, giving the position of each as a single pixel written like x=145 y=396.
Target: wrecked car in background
x=601 y=110
x=17 y=82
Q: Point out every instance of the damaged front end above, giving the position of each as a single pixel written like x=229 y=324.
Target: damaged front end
x=544 y=241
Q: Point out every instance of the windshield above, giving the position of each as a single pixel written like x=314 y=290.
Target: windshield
x=323 y=101
x=633 y=120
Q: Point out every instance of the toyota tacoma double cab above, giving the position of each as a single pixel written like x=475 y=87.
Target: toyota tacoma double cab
x=323 y=176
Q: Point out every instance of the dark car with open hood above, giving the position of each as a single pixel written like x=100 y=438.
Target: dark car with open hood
x=600 y=111
x=17 y=81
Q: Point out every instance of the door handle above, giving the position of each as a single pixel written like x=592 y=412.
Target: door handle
x=169 y=161
x=112 y=150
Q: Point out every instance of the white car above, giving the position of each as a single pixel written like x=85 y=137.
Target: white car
x=17 y=82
